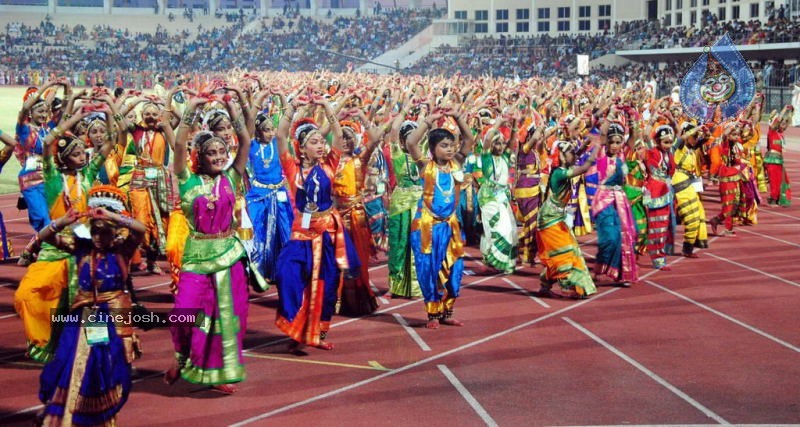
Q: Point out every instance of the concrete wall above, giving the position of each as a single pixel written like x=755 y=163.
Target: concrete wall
x=680 y=12
x=621 y=10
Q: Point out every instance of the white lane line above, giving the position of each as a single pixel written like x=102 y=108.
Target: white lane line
x=771 y=212
x=8 y=316
x=356 y=319
x=16 y=219
x=726 y=317
x=33 y=408
x=525 y=291
x=675 y=390
x=410 y=331
x=405 y=368
x=377 y=267
x=375 y=290
x=262 y=297
x=467 y=396
x=755 y=270
x=743 y=230
x=152 y=286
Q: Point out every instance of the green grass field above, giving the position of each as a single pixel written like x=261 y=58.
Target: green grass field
x=10 y=103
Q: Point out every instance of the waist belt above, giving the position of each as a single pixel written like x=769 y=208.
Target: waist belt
x=348 y=202
x=269 y=186
x=220 y=235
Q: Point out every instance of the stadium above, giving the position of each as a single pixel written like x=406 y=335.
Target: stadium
x=505 y=212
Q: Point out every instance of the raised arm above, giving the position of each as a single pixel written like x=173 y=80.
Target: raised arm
x=375 y=134
x=63 y=126
x=414 y=141
x=335 y=128
x=182 y=136
x=282 y=136
x=243 y=154
x=582 y=169
x=7 y=139
x=467 y=139
x=33 y=99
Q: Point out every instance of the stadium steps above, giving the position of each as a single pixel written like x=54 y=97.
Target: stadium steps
x=406 y=55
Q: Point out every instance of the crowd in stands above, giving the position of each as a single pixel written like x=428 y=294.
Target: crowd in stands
x=547 y=56
x=281 y=43
x=778 y=30
x=297 y=43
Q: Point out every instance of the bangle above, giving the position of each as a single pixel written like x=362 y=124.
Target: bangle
x=56 y=131
x=118 y=117
x=125 y=221
x=188 y=118
x=54 y=228
x=237 y=125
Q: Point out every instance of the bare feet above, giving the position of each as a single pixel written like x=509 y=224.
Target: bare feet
x=545 y=293
x=325 y=345
x=487 y=271
x=296 y=349
x=665 y=268
x=387 y=295
x=714 y=223
x=172 y=374
x=225 y=388
x=452 y=322
x=154 y=269
x=432 y=324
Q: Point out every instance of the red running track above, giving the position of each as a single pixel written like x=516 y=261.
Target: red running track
x=715 y=340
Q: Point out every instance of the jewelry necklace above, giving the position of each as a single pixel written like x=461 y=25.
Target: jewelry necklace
x=445 y=193
x=211 y=198
x=68 y=199
x=414 y=176
x=264 y=158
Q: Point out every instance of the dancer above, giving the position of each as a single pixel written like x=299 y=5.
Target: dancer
x=268 y=202
x=728 y=169
x=611 y=212
x=89 y=379
x=68 y=176
x=499 y=240
x=436 y=237
x=779 y=189
x=33 y=125
x=213 y=273
x=150 y=193
x=527 y=191
x=357 y=297
x=402 y=271
x=659 y=196
x=320 y=250
x=687 y=184
x=6 y=251
x=559 y=252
